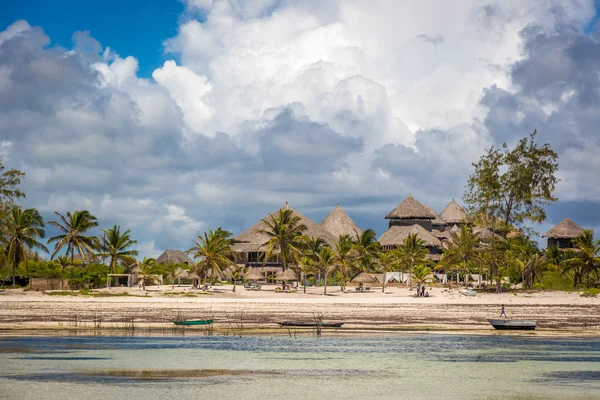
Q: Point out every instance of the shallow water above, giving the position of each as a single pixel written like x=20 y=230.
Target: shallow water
x=210 y=367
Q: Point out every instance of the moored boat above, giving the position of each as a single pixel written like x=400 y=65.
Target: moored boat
x=194 y=322
x=513 y=324
x=300 y=324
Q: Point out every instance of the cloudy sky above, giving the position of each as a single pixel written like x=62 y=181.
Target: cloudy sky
x=170 y=118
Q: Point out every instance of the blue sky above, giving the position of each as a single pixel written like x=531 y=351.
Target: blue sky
x=260 y=102
x=129 y=27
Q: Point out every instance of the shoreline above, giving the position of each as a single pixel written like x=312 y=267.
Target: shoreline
x=559 y=314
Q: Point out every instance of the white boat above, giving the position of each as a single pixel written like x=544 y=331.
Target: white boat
x=513 y=324
x=467 y=292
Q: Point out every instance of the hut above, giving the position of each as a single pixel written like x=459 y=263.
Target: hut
x=563 y=234
x=249 y=245
x=88 y=257
x=410 y=212
x=438 y=222
x=454 y=214
x=174 y=257
x=396 y=234
x=339 y=223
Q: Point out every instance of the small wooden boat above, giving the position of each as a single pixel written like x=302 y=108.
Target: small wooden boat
x=194 y=322
x=300 y=324
x=467 y=292
x=513 y=324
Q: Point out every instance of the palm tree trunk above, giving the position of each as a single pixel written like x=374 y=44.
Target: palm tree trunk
x=234 y=282
x=325 y=287
x=305 y=283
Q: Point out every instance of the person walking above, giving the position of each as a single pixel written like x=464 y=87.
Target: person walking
x=502 y=312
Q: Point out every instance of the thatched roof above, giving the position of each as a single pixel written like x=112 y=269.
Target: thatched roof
x=252 y=239
x=515 y=234
x=442 y=235
x=396 y=234
x=410 y=208
x=339 y=223
x=566 y=229
x=454 y=213
x=174 y=257
x=485 y=233
x=438 y=221
x=88 y=257
x=363 y=277
x=253 y=275
x=287 y=275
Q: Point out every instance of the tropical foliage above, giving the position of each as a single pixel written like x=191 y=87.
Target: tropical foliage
x=213 y=250
x=116 y=247
x=284 y=230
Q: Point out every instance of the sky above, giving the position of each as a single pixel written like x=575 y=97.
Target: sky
x=170 y=118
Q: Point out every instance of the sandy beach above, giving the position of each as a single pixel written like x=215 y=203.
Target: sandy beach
x=560 y=313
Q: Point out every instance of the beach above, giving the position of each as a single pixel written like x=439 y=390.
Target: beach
x=556 y=312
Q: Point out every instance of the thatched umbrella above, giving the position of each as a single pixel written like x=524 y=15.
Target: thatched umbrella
x=363 y=278
x=287 y=275
x=254 y=275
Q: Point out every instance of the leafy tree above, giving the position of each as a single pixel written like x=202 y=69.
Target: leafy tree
x=308 y=268
x=388 y=261
x=533 y=269
x=584 y=263
x=146 y=271
x=421 y=274
x=367 y=244
x=284 y=230
x=9 y=193
x=326 y=262
x=73 y=228
x=237 y=273
x=411 y=252
x=309 y=247
x=213 y=249
x=63 y=262
x=23 y=228
x=115 y=246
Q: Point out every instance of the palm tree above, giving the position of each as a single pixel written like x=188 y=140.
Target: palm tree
x=367 y=244
x=462 y=248
x=388 y=261
x=411 y=252
x=326 y=262
x=586 y=260
x=307 y=267
x=23 y=228
x=534 y=268
x=421 y=274
x=345 y=254
x=146 y=271
x=115 y=246
x=63 y=262
x=72 y=227
x=311 y=247
x=284 y=230
x=214 y=251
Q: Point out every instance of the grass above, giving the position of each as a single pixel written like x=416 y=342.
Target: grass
x=554 y=280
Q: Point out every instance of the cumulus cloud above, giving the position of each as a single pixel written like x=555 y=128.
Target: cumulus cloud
x=312 y=102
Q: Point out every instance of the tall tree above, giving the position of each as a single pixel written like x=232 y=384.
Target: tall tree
x=284 y=230
x=308 y=268
x=23 y=228
x=73 y=228
x=326 y=262
x=388 y=262
x=63 y=262
x=309 y=247
x=584 y=263
x=115 y=246
x=213 y=249
x=146 y=271
x=411 y=252
x=9 y=192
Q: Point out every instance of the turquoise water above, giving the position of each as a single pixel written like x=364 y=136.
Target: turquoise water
x=398 y=367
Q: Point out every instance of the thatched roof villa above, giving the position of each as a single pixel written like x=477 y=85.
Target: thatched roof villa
x=454 y=214
x=410 y=212
x=339 y=223
x=396 y=234
x=563 y=234
x=174 y=257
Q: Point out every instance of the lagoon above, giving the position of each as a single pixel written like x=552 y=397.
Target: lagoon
x=406 y=366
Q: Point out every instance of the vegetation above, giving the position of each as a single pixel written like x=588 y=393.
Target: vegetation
x=115 y=246
x=72 y=228
x=411 y=252
x=214 y=251
x=285 y=231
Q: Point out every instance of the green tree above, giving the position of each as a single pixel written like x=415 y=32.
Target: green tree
x=345 y=256
x=115 y=246
x=284 y=230
x=411 y=252
x=73 y=228
x=63 y=262
x=213 y=249
x=146 y=271
x=421 y=274
x=9 y=193
x=308 y=268
x=512 y=185
x=326 y=262
x=533 y=268
x=23 y=228
x=388 y=262
x=584 y=263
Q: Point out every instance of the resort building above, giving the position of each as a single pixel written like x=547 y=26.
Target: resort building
x=339 y=223
x=410 y=212
x=454 y=214
x=174 y=257
x=563 y=234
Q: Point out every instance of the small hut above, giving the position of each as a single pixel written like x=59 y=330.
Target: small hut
x=454 y=214
x=564 y=234
x=339 y=223
x=363 y=278
x=254 y=275
x=410 y=212
x=174 y=257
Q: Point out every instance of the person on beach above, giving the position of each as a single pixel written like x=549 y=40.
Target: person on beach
x=423 y=291
x=502 y=312
x=418 y=290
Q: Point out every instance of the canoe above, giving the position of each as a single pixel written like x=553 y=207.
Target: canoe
x=300 y=324
x=467 y=292
x=513 y=324
x=194 y=322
